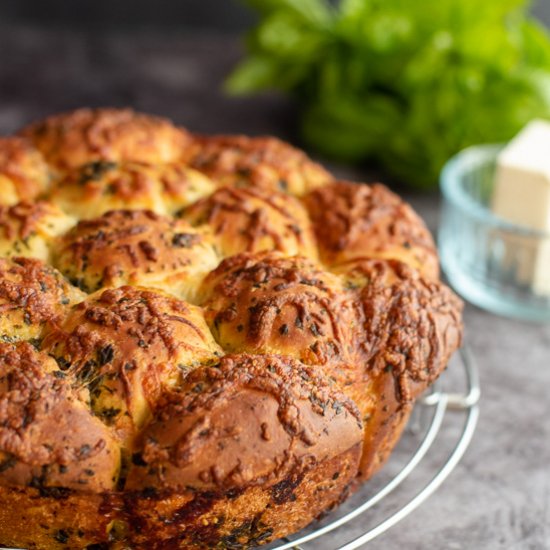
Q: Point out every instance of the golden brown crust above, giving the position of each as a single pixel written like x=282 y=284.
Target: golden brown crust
x=182 y=186
x=30 y=228
x=411 y=327
x=100 y=186
x=264 y=162
x=24 y=176
x=245 y=518
x=355 y=221
x=53 y=518
x=137 y=248
x=31 y=295
x=72 y=139
x=255 y=220
x=268 y=303
x=190 y=448
x=249 y=420
x=321 y=434
x=125 y=346
x=48 y=438
x=241 y=518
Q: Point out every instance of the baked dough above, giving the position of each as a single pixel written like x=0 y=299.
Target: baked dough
x=205 y=342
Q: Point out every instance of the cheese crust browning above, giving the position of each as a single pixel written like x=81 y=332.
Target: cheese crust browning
x=136 y=247
x=257 y=162
x=205 y=341
x=255 y=220
x=71 y=140
x=24 y=174
x=355 y=222
x=100 y=186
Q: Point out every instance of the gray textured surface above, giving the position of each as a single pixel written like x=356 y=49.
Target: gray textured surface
x=542 y=9
x=229 y=15
x=499 y=496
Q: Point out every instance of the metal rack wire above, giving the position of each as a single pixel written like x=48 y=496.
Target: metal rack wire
x=439 y=404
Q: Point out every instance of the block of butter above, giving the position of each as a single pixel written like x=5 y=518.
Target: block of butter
x=522 y=196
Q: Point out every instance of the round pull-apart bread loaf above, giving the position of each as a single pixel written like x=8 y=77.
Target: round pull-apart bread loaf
x=205 y=342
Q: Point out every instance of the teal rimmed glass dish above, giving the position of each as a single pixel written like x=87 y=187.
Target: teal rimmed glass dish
x=488 y=260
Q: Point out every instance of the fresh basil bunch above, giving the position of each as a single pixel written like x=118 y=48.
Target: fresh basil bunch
x=402 y=82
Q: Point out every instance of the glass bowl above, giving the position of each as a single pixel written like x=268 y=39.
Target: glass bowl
x=488 y=260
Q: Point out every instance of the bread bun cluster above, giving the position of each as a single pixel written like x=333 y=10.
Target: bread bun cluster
x=205 y=341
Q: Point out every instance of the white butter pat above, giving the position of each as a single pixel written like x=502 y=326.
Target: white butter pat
x=522 y=196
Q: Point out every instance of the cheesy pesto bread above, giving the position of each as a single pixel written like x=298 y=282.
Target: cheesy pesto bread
x=205 y=341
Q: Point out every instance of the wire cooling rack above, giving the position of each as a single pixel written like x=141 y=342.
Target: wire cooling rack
x=443 y=422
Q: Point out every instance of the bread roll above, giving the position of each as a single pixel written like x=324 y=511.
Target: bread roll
x=48 y=437
x=258 y=162
x=136 y=248
x=70 y=140
x=24 y=175
x=255 y=220
x=100 y=186
x=410 y=328
x=29 y=229
x=125 y=346
x=354 y=222
x=32 y=294
x=263 y=436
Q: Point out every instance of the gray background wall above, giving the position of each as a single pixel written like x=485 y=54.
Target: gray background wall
x=227 y=15
x=542 y=8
